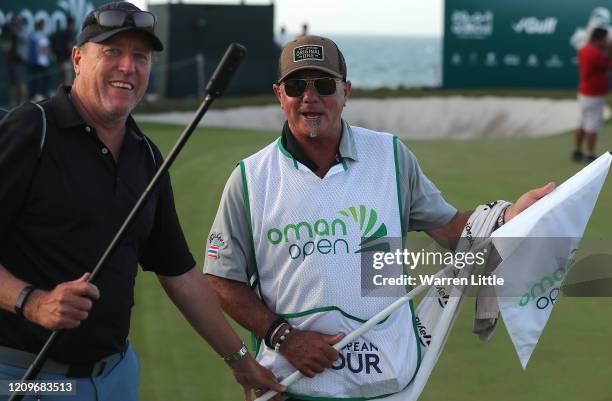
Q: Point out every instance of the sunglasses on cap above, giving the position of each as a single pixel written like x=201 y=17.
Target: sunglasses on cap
x=118 y=18
x=296 y=87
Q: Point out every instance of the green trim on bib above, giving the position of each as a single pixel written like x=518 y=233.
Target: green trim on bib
x=256 y=341
x=247 y=206
x=344 y=164
x=399 y=204
x=416 y=341
x=286 y=153
x=397 y=183
x=325 y=309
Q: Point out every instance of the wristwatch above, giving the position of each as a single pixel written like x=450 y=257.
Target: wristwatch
x=501 y=219
x=237 y=356
x=22 y=299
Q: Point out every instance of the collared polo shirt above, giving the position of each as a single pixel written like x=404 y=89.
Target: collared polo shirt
x=62 y=204
x=346 y=147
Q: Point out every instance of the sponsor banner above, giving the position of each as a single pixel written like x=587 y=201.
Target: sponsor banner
x=55 y=13
x=519 y=44
x=476 y=25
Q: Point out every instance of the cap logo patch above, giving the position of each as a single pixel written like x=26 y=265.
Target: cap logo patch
x=308 y=52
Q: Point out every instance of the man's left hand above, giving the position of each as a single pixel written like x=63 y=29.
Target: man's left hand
x=528 y=199
x=254 y=377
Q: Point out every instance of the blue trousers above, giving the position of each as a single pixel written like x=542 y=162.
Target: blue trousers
x=118 y=382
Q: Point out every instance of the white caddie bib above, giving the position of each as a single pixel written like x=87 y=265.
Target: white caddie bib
x=308 y=235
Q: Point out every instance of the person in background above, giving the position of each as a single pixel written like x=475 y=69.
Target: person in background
x=14 y=42
x=282 y=36
x=593 y=64
x=62 y=42
x=38 y=58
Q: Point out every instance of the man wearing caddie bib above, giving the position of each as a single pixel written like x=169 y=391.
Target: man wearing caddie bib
x=283 y=251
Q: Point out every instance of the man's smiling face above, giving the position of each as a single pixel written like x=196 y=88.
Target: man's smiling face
x=112 y=76
x=311 y=110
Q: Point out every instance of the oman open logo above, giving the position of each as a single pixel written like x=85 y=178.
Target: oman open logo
x=331 y=236
x=368 y=242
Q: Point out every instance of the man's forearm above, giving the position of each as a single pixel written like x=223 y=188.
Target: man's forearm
x=448 y=235
x=308 y=351
x=10 y=287
x=243 y=305
x=197 y=300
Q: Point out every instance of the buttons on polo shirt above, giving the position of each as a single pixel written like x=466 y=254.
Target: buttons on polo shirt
x=104 y=151
x=87 y=129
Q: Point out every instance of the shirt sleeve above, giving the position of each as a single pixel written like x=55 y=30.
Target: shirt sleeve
x=20 y=147
x=166 y=251
x=229 y=250
x=424 y=207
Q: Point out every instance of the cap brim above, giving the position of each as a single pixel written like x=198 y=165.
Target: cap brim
x=311 y=67
x=157 y=44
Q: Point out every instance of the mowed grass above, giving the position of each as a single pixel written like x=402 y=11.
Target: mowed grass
x=572 y=361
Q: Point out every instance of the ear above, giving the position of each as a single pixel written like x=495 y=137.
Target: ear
x=278 y=93
x=77 y=55
x=347 y=91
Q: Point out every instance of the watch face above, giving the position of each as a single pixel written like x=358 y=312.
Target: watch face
x=238 y=355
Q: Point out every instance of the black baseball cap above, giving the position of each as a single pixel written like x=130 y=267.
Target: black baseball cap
x=92 y=31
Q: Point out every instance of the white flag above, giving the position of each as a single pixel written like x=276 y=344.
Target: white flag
x=537 y=248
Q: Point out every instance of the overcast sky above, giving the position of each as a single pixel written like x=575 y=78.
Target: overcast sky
x=368 y=17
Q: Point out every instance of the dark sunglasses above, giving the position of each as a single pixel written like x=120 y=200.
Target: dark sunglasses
x=118 y=18
x=324 y=86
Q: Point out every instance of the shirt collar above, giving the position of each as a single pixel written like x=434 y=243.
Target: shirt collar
x=64 y=112
x=346 y=149
x=67 y=115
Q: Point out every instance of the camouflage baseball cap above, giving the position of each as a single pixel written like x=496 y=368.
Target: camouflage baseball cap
x=311 y=52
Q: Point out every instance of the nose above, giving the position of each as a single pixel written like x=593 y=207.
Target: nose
x=127 y=64
x=310 y=93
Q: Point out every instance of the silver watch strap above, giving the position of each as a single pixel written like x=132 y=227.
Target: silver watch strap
x=237 y=356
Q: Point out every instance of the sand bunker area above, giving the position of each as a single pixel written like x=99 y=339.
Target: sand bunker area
x=454 y=117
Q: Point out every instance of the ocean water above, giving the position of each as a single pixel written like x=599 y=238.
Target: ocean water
x=391 y=61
